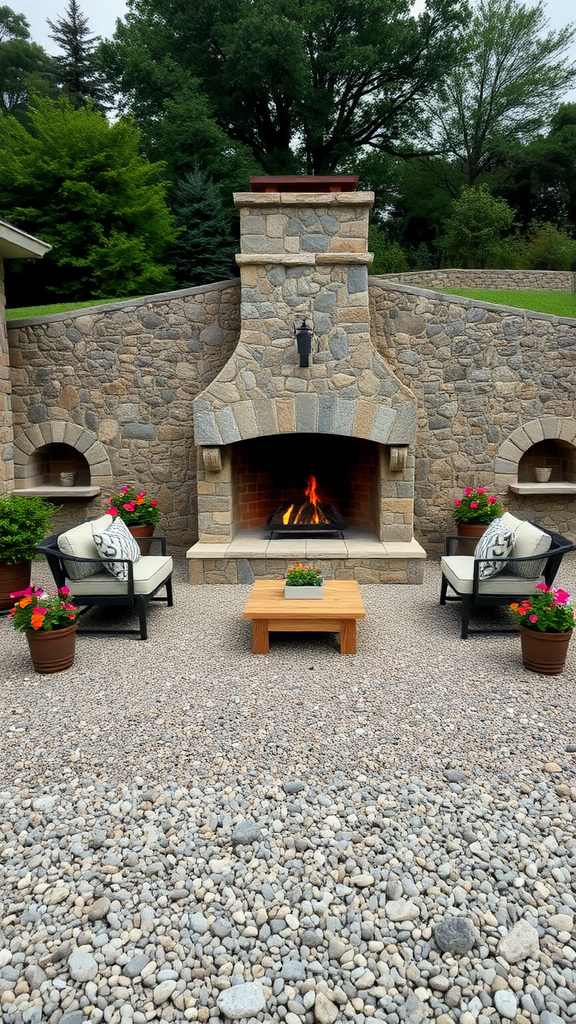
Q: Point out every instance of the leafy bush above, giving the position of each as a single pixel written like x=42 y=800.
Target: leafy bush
x=389 y=257
x=548 y=248
x=473 y=233
x=24 y=522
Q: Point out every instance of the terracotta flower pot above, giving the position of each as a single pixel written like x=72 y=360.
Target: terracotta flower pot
x=12 y=578
x=544 y=652
x=472 y=530
x=140 y=532
x=52 y=650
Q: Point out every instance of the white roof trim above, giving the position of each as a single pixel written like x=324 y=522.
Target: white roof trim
x=18 y=244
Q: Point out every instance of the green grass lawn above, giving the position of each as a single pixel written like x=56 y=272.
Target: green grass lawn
x=558 y=303
x=26 y=312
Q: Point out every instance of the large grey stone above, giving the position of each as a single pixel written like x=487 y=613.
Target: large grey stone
x=245 y=833
x=82 y=966
x=455 y=935
x=241 y=1001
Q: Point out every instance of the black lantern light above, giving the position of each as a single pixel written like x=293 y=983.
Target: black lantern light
x=304 y=335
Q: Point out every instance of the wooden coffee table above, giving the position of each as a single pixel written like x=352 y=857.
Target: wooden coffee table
x=336 y=612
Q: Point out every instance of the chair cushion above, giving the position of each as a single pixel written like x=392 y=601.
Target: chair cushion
x=529 y=541
x=78 y=541
x=116 y=542
x=496 y=542
x=150 y=571
x=459 y=571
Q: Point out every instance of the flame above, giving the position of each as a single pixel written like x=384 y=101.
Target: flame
x=312 y=495
x=287 y=514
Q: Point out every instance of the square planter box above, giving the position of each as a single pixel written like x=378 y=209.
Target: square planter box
x=304 y=593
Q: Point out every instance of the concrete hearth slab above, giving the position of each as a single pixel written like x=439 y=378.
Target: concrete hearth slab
x=253 y=554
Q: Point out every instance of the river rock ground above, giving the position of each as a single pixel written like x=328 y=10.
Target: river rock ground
x=189 y=832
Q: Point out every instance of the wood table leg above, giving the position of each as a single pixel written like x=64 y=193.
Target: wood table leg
x=348 y=636
x=260 y=636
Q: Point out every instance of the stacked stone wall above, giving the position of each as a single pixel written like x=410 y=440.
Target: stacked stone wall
x=127 y=374
x=6 y=431
x=479 y=372
x=505 y=280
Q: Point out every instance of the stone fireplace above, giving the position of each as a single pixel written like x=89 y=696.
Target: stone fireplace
x=266 y=424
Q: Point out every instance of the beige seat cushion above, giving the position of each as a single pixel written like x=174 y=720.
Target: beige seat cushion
x=459 y=571
x=78 y=541
x=529 y=541
x=150 y=571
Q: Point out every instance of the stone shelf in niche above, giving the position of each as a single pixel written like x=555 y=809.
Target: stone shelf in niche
x=55 y=491
x=557 y=487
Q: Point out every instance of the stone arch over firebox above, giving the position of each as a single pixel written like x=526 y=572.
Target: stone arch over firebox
x=560 y=429
x=56 y=435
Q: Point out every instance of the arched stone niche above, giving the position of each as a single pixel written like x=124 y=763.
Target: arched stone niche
x=43 y=450
x=549 y=442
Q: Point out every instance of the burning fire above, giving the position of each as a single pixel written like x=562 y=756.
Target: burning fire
x=309 y=511
x=312 y=495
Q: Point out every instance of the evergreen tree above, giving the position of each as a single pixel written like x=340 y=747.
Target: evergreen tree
x=76 y=69
x=79 y=182
x=204 y=252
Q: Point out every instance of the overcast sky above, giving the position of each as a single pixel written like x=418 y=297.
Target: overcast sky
x=102 y=15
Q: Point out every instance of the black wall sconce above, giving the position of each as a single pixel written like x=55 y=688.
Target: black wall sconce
x=304 y=335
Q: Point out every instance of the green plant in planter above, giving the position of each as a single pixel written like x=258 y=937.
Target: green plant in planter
x=300 y=575
x=24 y=522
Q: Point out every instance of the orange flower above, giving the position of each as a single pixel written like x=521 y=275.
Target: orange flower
x=25 y=601
x=37 y=621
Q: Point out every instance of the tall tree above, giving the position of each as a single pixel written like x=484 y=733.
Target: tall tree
x=510 y=79
x=77 y=73
x=204 y=250
x=81 y=184
x=24 y=66
x=302 y=84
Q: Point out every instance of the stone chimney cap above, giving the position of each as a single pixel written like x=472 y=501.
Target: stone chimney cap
x=305 y=183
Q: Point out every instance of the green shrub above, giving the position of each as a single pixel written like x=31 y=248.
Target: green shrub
x=24 y=522
x=389 y=257
x=548 y=248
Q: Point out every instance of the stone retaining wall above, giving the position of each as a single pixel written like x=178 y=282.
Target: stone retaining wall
x=6 y=432
x=508 y=280
x=127 y=373
x=479 y=372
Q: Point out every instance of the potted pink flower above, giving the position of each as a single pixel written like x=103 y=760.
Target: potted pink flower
x=546 y=620
x=474 y=511
x=139 y=512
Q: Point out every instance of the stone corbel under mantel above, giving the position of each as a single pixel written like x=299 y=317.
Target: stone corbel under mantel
x=212 y=460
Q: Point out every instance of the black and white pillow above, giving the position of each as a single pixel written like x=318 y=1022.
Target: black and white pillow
x=117 y=542
x=496 y=542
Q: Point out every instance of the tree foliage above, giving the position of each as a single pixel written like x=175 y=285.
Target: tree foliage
x=473 y=232
x=501 y=93
x=24 y=66
x=80 y=183
x=303 y=85
x=75 y=66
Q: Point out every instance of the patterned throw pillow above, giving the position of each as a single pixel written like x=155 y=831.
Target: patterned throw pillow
x=496 y=542
x=117 y=542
